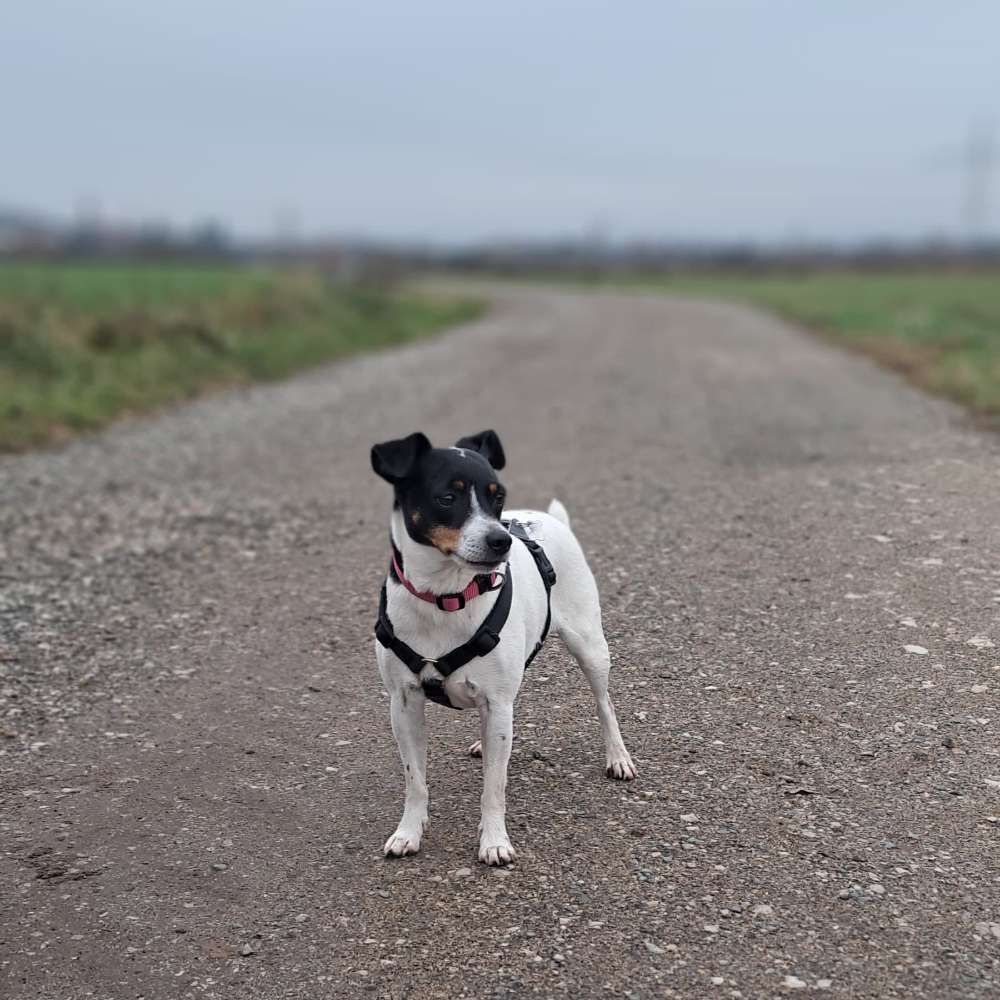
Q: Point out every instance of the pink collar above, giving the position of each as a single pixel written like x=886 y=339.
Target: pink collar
x=481 y=584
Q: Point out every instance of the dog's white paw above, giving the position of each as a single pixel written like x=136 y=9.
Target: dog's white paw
x=621 y=767
x=476 y=750
x=402 y=842
x=500 y=853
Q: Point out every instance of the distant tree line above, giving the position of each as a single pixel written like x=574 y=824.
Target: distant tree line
x=27 y=236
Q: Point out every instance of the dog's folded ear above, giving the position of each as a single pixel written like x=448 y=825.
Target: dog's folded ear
x=395 y=460
x=487 y=444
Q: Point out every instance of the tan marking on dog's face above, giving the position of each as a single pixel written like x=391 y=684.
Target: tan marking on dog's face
x=459 y=484
x=493 y=487
x=415 y=517
x=445 y=539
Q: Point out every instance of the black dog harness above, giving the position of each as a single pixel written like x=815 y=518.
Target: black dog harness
x=485 y=639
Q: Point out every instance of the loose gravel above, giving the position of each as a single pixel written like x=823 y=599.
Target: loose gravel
x=196 y=768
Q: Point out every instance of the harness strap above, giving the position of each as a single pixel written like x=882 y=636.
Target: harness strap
x=485 y=639
x=545 y=570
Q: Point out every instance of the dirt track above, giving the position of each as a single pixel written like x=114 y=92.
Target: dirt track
x=198 y=774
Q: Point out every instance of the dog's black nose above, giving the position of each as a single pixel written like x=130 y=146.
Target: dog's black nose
x=498 y=540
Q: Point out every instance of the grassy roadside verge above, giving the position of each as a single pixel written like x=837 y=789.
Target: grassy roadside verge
x=83 y=344
x=940 y=329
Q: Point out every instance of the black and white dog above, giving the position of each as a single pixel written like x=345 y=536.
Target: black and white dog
x=466 y=603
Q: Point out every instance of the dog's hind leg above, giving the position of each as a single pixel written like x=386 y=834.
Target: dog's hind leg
x=590 y=650
x=496 y=725
x=407 y=713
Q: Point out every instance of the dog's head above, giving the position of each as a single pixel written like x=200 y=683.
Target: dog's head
x=449 y=498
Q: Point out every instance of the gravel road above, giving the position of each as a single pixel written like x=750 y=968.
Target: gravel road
x=798 y=557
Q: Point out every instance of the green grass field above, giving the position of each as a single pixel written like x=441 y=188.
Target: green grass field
x=81 y=345
x=940 y=329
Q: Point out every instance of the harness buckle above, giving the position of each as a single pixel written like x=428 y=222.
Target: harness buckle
x=434 y=690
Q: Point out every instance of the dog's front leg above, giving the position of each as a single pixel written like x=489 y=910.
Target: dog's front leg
x=496 y=727
x=407 y=712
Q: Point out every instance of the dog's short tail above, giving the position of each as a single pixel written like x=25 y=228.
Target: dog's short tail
x=559 y=512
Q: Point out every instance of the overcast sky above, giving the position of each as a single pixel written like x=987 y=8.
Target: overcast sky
x=457 y=120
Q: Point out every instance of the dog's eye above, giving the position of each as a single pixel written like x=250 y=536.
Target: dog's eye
x=499 y=499
x=446 y=500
